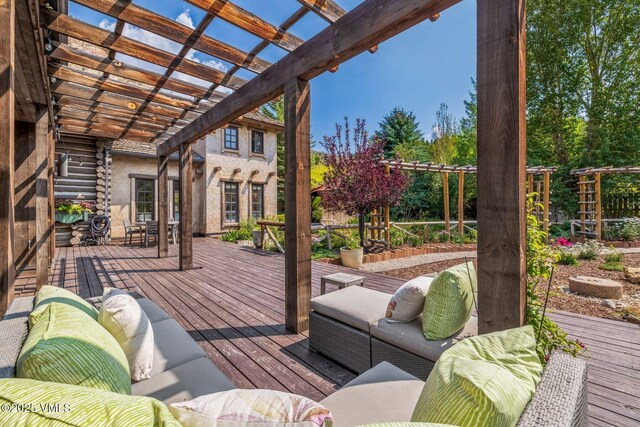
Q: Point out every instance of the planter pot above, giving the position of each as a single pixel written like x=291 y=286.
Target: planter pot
x=352 y=257
x=257 y=239
x=71 y=218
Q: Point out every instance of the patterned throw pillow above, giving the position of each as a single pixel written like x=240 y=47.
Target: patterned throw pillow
x=406 y=424
x=48 y=294
x=45 y=404
x=264 y=408
x=482 y=381
x=449 y=302
x=65 y=346
x=122 y=316
x=407 y=302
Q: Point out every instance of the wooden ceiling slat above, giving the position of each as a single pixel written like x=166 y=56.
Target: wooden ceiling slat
x=99 y=107
x=64 y=52
x=75 y=130
x=172 y=30
x=111 y=127
x=327 y=9
x=106 y=118
x=86 y=79
x=72 y=27
x=249 y=22
x=369 y=24
x=127 y=102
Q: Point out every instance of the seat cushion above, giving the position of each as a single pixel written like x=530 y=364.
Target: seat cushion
x=449 y=302
x=56 y=405
x=48 y=294
x=482 y=381
x=184 y=382
x=408 y=336
x=173 y=346
x=65 y=346
x=382 y=394
x=153 y=312
x=125 y=320
x=355 y=306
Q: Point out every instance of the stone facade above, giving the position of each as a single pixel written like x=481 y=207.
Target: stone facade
x=213 y=167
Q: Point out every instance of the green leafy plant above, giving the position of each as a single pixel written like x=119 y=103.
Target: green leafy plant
x=352 y=242
x=540 y=260
x=627 y=229
x=613 y=257
x=415 y=241
x=611 y=266
x=319 y=251
x=566 y=257
x=589 y=250
x=69 y=208
x=243 y=232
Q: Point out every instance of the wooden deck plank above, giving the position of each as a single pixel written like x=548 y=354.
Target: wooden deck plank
x=232 y=303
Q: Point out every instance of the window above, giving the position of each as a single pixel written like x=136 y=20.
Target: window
x=257 y=142
x=144 y=200
x=231 y=212
x=257 y=201
x=176 y=200
x=231 y=138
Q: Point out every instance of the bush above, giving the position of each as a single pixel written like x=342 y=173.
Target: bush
x=589 y=250
x=560 y=230
x=627 y=229
x=614 y=257
x=611 y=266
x=243 y=232
x=567 y=258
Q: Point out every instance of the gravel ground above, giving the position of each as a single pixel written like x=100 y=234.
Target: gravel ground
x=628 y=308
x=414 y=261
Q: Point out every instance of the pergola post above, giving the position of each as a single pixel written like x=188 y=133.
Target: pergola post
x=461 y=204
x=502 y=272
x=163 y=206
x=297 y=186
x=43 y=232
x=7 y=118
x=52 y=199
x=546 y=201
x=598 y=208
x=186 y=208
x=447 y=213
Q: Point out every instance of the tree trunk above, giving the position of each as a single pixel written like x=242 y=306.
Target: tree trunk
x=361 y=219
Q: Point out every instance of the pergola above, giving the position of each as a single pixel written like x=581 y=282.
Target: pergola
x=110 y=99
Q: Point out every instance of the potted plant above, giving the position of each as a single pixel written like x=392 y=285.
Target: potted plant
x=69 y=212
x=351 y=254
x=356 y=180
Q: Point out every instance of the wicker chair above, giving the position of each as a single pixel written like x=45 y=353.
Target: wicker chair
x=130 y=230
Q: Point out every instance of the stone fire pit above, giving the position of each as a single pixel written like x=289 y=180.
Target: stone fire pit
x=596 y=287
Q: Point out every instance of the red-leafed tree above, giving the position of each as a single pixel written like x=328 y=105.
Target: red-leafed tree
x=356 y=181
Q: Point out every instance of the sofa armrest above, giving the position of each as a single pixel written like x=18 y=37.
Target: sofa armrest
x=13 y=331
x=561 y=397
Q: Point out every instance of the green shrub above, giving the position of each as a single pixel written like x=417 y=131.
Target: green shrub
x=560 y=230
x=319 y=251
x=588 y=250
x=415 y=241
x=243 y=232
x=567 y=258
x=627 y=229
x=614 y=257
x=611 y=266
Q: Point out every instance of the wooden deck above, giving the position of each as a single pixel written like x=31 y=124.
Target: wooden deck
x=233 y=305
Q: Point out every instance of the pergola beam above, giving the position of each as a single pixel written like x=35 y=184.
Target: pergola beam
x=502 y=267
x=368 y=24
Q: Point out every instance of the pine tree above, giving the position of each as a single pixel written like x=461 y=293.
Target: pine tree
x=399 y=127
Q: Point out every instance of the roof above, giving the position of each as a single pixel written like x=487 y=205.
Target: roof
x=144 y=149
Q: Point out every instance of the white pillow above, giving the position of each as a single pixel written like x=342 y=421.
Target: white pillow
x=122 y=316
x=255 y=408
x=408 y=301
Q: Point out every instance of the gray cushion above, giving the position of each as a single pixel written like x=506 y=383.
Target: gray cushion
x=173 y=346
x=153 y=312
x=184 y=382
x=382 y=394
x=408 y=336
x=355 y=306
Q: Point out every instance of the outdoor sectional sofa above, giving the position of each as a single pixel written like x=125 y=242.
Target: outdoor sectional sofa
x=384 y=393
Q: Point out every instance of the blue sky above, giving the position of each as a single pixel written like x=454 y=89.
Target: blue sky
x=417 y=70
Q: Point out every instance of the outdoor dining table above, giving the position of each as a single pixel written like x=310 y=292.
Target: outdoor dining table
x=173 y=229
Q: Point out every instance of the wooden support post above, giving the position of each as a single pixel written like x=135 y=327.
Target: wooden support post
x=7 y=118
x=298 y=209
x=598 y=216
x=461 y=203
x=445 y=190
x=387 y=215
x=43 y=234
x=502 y=270
x=583 y=198
x=163 y=206
x=546 y=201
x=530 y=183
x=52 y=195
x=186 y=208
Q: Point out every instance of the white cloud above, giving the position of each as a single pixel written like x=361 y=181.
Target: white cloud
x=185 y=19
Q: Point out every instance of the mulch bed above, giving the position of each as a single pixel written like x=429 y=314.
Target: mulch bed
x=561 y=298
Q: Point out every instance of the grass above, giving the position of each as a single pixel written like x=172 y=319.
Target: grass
x=611 y=266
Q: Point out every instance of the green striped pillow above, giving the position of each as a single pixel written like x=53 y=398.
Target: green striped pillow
x=65 y=346
x=449 y=302
x=482 y=381
x=406 y=424
x=48 y=294
x=45 y=404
